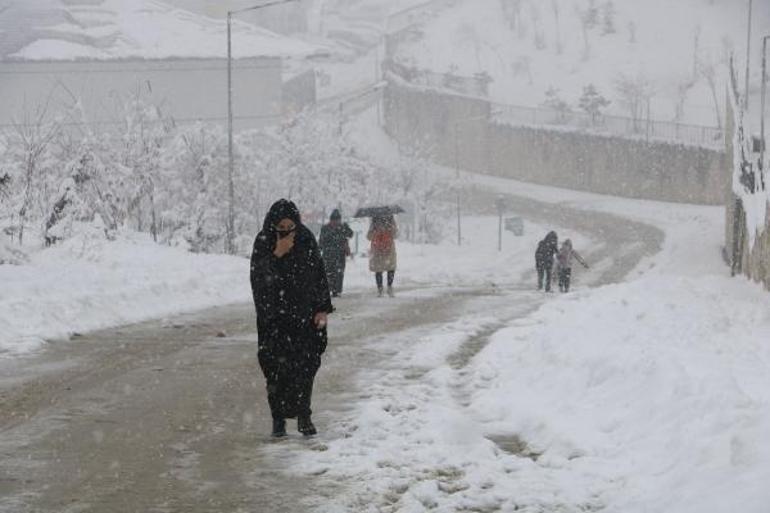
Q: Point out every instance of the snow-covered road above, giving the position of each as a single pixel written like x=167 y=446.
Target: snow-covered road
x=166 y=416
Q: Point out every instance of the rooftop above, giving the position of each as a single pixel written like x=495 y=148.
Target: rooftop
x=122 y=29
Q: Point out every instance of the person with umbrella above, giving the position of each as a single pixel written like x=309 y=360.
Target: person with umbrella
x=335 y=249
x=291 y=296
x=382 y=253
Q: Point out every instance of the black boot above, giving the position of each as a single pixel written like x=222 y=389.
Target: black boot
x=279 y=428
x=305 y=426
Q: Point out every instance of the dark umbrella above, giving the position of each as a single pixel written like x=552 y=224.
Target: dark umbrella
x=383 y=211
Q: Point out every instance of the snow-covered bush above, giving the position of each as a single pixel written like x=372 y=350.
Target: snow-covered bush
x=10 y=255
x=152 y=176
x=30 y=173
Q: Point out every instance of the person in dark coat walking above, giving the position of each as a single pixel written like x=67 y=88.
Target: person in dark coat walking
x=335 y=249
x=291 y=296
x=546 y=249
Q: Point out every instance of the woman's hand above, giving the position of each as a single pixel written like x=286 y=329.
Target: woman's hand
x=283 y=246
x=320 y=320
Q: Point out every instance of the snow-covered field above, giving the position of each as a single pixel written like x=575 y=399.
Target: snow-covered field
x=649 y=395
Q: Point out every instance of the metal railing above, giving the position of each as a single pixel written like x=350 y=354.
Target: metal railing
x=621 y=126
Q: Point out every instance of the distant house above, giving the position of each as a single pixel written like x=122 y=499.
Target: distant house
x=99 y=55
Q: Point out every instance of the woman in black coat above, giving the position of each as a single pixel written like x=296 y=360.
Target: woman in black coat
x=291 y=295
x=335 y=249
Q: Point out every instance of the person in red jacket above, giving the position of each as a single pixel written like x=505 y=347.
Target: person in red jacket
x=382 y=253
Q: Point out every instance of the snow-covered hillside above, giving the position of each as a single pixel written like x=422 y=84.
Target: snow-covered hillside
x=675 y=51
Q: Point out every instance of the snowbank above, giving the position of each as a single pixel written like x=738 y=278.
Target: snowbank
x=647 y=395
x=653 y=392
x=88 y=283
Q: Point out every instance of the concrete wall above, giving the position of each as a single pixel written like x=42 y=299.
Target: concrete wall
x=186 y=89
x=576 y=160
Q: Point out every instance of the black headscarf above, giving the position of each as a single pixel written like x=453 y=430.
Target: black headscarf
x=281 y=209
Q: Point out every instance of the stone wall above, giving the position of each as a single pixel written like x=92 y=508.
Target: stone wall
x=458 y=130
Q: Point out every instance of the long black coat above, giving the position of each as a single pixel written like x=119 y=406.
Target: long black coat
x=334 y=242
x=288 y=292
x=546 y=250
x=334 y=246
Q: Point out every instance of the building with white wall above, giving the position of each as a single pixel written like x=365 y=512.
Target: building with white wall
x=100 y=54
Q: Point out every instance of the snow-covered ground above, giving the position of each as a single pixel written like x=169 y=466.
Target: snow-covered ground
x=647 y=395
x=88 y=283
x=657 y=41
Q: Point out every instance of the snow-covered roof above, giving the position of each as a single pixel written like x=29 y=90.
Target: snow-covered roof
x=122 y=29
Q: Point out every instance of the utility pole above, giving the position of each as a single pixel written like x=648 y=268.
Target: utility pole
x=500 y=204
x=230 y=164
x=230 y=229
x=457 y=176
x=457 y=168
x=748 y=59
x=762 y=107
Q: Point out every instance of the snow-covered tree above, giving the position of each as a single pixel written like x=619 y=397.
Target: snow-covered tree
x=708 y=69
x=608 y=18
x=683 y=88
x=554 y=101
x=192 y=190
x=634 y=93
x=86 y=195
x=592 y=102
x=556 y=9
x=29 y=166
